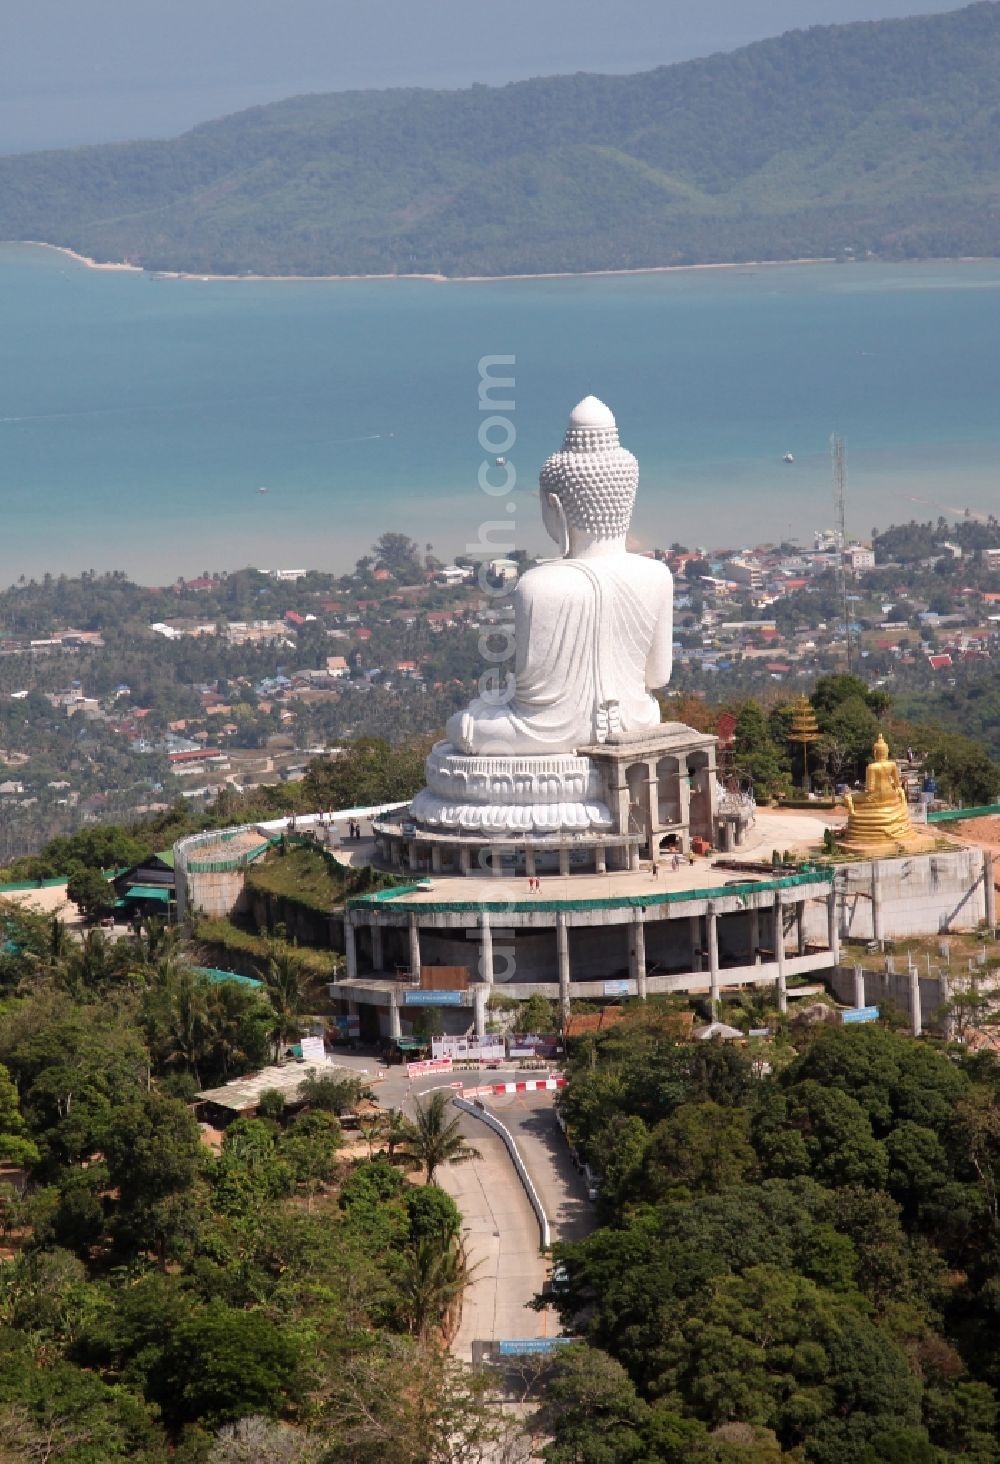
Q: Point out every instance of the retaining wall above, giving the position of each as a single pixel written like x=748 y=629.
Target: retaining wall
x=917 y=894
x=890 y=986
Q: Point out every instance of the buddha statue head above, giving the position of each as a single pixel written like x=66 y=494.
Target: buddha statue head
x=588 y=489
x=880 y=749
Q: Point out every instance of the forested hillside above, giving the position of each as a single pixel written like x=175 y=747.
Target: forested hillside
x=798 y=1256
x=873 y=137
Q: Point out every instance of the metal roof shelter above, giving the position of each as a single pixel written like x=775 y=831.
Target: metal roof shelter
x=159 y=893
x=241 y=1096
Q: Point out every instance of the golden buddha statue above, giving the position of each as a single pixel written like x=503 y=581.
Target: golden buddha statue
x=878 y=820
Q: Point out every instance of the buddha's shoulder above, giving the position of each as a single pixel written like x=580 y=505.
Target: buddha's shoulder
x=647 y=571
x=562 y=576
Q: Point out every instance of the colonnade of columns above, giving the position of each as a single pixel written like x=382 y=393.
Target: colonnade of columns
x=704 y=944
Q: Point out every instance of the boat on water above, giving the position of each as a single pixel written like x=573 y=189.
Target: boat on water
x=261 y=490
x=501 y=462
x=788 y=458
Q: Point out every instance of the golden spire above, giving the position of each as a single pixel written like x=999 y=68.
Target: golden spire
x=804 y=728
x=805 y=731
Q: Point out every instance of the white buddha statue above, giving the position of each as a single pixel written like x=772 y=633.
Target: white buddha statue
x=593 y=629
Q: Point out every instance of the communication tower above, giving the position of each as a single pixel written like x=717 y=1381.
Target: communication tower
x=838 y=452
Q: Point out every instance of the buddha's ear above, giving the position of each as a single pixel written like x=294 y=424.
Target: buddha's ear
x=554 y=516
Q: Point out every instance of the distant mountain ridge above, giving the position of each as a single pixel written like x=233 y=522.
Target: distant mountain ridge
x=881 y=136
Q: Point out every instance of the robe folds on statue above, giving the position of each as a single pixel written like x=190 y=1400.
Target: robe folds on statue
x=589 y=634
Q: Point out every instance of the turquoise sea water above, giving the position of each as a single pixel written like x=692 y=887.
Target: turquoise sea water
x=139 y=417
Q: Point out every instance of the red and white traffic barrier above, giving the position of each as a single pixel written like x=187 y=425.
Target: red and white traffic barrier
x=531 y=1085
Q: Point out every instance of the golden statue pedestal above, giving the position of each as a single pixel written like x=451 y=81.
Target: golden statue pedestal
x=878 y=822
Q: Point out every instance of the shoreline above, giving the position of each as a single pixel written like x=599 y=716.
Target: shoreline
x=126 y=267
x=440 y=279
x=436 y=279
x=80 y=258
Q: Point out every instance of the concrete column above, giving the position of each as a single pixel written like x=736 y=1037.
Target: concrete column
x=486 y=952
x=529 y=862
x=350 y=949
x=378 y=948
x=859 y=987
x=833 y=925
x=414 y=950
x=916 y=1015
x=637 y=953
x=876 y=903
x=436 y=858
x=562 y=952
x=395 y=1030
x=712 y=922
x=695 y=928
x=564 y=862
x=465 y=860
x=948 y=1017
x=684 y=798
x=779 y=951
x=414 y=856
x=800 y=927
x=989 y=890
x=755 y=936
x=600 y=860
x=652 y=808
x=480 y=996
x=623 y=804
x=633 y=857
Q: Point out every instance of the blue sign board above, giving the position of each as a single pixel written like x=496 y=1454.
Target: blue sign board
x=526 y=1346
x=434 y=998
x=617 y=988
x=861 y=1014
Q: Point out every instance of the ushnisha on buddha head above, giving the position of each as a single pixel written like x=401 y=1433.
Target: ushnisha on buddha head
x=588 y=489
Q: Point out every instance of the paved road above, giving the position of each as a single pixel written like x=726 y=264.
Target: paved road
x=502 y=1245
x=499 y=1225
x=531 y=1118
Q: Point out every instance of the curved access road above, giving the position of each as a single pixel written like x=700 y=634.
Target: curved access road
x=501 y=1243
x=498 y=1224
x=531 y=1119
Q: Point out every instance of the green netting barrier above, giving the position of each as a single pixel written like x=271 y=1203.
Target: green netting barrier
x=32 y=884
x=653 y=897
x=216 y=977
x=955 y=815
x=225 y=866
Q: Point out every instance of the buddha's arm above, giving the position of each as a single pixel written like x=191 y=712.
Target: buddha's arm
x=660 y=661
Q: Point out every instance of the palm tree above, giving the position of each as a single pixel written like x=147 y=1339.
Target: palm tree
x=287 y=983
x=432 y=1281
x=394 y=1131
x=154 y=939
x=433 y=1139
x=87 y=965
x=58 y=939
x=177 y=1019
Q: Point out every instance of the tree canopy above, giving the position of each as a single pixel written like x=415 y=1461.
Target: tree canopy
x=796 y=1262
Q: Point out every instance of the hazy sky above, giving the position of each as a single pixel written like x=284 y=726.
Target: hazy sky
x=97 y=70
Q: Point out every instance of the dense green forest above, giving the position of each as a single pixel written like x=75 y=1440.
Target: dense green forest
x=269 y=1297
x=873 y=137
x=798 y=1259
